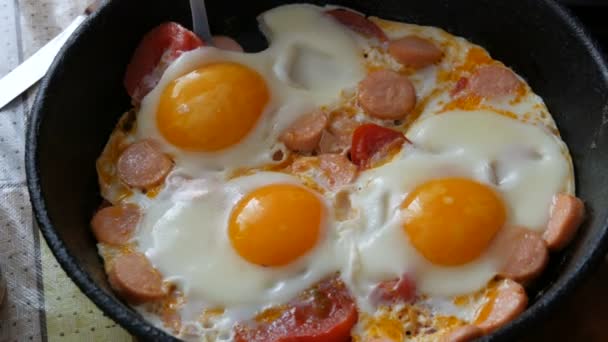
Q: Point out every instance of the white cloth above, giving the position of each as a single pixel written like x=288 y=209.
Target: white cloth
x=25 y=26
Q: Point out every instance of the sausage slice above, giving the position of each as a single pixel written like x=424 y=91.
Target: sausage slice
x=143 y=165
x=135 y=279
x=526 y=255
x=227 y=43
x=337 y=137
x=387 y=95
x=358 y=23
x=493 y=82
x=508 y=302
x=465 y=333
x=343 y=124
x=304 y=134
x=414 y=52
x=329 y=143
x=567 y=214
x=114 y=225
x=338 y=169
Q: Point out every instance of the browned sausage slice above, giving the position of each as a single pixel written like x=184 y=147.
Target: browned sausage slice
x=135 y=279
x=493 y=82
x=414 y=52
x=143 y=165
x=304 y=134
x=526 y=255
x=387 y=95
x=227 y=43
x=337 y=137
x=343 y=124
x=358 y=23
x=507 y=302
x=567 y=214
x=465 y=333
x=330 y=143
x=114 y=225
x=338 y=169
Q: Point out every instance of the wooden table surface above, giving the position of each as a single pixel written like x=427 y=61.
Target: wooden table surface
x=582 y=317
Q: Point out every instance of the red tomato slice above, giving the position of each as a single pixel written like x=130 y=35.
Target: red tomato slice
x=372 y=142
x=358 y=23
x=326 y=312
x=155 y=52
x=400 y=290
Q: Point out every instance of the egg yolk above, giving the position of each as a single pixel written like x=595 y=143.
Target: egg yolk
x=276 y=224
x=452 y=221
x=212 y=108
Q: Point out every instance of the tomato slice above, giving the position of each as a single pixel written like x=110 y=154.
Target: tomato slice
x=326 y=312
x=372 y=143
x=155 y=52
x=402 y=290
x=358 y=23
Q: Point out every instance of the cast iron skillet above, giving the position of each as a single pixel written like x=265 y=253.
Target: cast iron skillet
x=82 y=97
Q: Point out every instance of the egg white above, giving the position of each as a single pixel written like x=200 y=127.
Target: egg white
x=529 y=162
x=383 y=248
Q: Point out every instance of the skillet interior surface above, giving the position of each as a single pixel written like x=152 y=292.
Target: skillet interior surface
x=82 y=97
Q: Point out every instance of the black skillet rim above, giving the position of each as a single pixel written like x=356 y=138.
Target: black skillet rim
x=136 y=325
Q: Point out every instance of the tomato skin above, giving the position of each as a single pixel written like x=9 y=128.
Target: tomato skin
x=372 y=142
x=322 y=314
x=402 y=290
x=358 y=23
x=158 y=48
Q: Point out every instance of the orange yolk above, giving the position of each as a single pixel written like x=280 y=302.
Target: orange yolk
x=452 y=221
x=212 y=108
x=276 y=224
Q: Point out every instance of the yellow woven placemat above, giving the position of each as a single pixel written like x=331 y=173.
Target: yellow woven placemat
x=70 y=315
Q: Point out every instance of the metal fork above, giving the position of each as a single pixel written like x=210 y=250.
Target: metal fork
x=200 y=21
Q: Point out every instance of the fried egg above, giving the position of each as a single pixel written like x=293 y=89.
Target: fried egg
x=242 y=246
x=216 y=110
x=520 y=157
x=416 y=198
